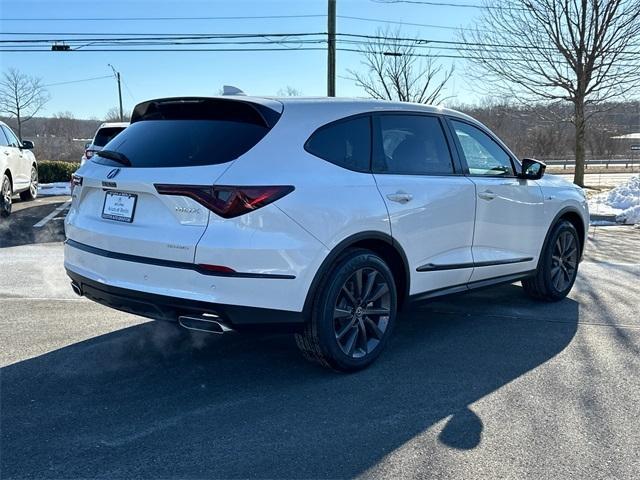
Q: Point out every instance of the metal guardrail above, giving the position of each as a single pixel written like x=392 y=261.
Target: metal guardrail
x=570 y=162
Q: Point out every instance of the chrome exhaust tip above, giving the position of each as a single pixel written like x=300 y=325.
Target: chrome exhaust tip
x=207 y=323
x=76 y=289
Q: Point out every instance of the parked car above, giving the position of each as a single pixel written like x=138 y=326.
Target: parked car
x=104 y=135
x=18 y=169
x=323 y=216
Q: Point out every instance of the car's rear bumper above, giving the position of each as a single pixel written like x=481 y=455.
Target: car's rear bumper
x=161 y=307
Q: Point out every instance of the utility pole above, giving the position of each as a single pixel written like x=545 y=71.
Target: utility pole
x=117 y=75
x=331 y=46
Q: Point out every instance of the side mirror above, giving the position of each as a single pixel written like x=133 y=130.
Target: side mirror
x=532 y=169
x=27 y=144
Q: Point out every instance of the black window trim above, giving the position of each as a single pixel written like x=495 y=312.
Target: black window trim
x=338 y=121
x=378 y=148
x=515 y=164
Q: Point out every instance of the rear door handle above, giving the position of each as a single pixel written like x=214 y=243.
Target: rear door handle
x=400 y=197
x=487 y=195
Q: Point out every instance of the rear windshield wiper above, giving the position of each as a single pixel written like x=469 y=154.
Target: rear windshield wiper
x=115 y=156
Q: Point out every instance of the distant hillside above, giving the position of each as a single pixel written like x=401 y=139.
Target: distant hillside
x=57 y=138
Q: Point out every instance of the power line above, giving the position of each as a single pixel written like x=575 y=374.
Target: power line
x=341 y=49
x=163 y=37
x=448 y=4
x=276 y=39
x=138 y=19
x=77 y=81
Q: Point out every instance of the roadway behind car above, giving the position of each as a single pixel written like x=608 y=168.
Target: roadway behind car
x=19 y=228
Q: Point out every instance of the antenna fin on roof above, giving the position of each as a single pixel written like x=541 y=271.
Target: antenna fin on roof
x=231 y=90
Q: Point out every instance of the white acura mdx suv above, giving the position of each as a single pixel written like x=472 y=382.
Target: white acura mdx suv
x=18 y=170
x=324 y=216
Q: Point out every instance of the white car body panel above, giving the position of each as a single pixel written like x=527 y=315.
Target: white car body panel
x=425 y=229
x=510 y=225
x=18 y=162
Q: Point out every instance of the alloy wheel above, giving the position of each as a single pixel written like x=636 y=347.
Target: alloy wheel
x=5 y=196
x=564 y=261
x=361 y=313
x=34 y=182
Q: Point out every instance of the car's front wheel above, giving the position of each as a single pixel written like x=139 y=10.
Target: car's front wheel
x=558 y=265
x=32 y=193
x=6 y=193
x=353 y=314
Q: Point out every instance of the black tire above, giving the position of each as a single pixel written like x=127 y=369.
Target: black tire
x=6 y=194
x=32 y=193
x=558 y=265
x=340 y=334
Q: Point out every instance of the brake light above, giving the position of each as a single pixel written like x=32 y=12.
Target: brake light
x=228 y=201
x=76 y=180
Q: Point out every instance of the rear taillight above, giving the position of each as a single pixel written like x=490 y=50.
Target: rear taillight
x=76 y=180
x=227 y=201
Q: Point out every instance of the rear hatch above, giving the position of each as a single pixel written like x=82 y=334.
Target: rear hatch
x=177 y=141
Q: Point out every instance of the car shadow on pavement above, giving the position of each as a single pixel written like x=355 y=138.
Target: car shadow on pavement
x=153 y=401
x=17 y=229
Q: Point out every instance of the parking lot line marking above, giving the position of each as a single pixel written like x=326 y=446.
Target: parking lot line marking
x=49 y=217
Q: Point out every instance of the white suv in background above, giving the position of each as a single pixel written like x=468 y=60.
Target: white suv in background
x=325 y=216
x=18 y=170
x=105 y=133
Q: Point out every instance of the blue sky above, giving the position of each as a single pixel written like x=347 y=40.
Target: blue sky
x=157 y=74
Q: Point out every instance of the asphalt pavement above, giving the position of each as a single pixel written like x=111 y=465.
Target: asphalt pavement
x=486 y=385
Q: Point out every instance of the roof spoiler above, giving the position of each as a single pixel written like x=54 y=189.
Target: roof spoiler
x=207 y=108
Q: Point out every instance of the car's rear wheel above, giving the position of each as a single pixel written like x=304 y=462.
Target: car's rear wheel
x=32 y=193
x=6 y=193
x=558 y=265
x=353 y=314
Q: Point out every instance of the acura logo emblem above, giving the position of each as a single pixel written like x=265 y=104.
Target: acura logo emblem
x=113 y=173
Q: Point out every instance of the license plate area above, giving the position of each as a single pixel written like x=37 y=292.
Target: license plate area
x=119 y=206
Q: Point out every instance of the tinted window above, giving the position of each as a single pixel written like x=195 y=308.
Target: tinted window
x=346 y=143
x=13 y=140
x=184 y=143
x=484 y=156
x=105 y=135
x=3 y=139
x=413 y=144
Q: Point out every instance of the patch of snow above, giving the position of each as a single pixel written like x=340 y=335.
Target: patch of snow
x=623 y=202
x=51 y=189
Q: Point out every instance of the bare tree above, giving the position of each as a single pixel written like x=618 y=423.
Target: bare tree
x=21 y=96
x=395 y=70
x=289 y=91
x=113 y=115
x=581 y=51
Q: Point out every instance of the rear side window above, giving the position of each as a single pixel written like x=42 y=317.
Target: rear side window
x=105 y=135
x=346 y=143
x=412 y=145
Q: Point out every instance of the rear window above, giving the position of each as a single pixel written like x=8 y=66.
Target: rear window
x=346 y=143
x=190 y=132
x=104 y=135
x=184 y=143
